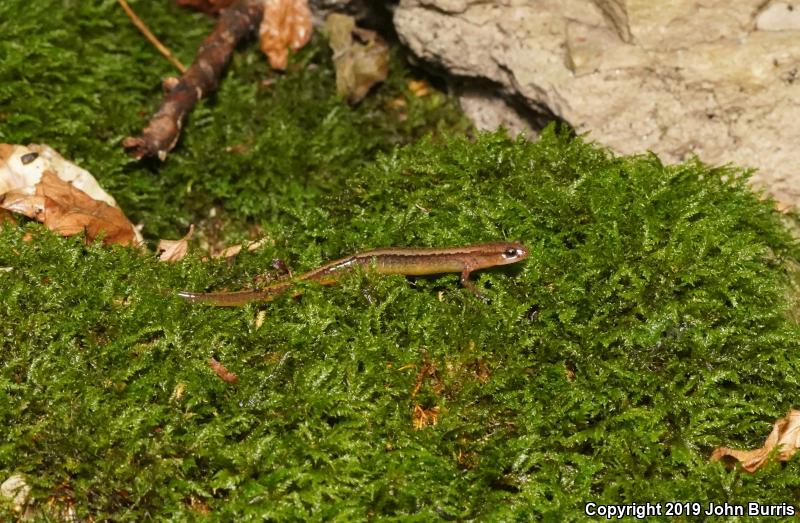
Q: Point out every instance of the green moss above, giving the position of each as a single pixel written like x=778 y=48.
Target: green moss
x=661 y=288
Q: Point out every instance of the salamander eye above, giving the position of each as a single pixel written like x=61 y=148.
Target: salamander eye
x=511 y=252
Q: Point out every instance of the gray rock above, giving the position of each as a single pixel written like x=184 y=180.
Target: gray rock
x=712 y=78
x=488 y=111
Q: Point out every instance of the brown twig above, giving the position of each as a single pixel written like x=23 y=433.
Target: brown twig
x=151 y=37
x=164 y=129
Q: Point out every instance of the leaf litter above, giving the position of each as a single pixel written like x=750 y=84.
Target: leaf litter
x=39 y=183
x=286 y=24
x=784 y=439
x=360 y=56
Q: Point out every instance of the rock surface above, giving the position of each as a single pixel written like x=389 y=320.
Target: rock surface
x=489 y=111
x=712 y=78
x=16 y=491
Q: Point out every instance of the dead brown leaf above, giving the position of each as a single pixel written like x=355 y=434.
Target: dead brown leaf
x=66 y=210
x=286 y=25
x=223 y=373
x=785 y=437
x=423 y=417
x=230 y=252
x=21 y=168
x=360 y=56
x=174 y=250
x=39 y=183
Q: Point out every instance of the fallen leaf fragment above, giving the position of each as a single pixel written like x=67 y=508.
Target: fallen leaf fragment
x=37 y=182
x=423 y=417
x=398 y=103
x=360 y=56
x=22 y=167
x=230 y=252
x=286 y=25
x=260 y=317
x=174 y=250
x=66 y=210
x=223 y=373
x=420 y=88
x=785 y=437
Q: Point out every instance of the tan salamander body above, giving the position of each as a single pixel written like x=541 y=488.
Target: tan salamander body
x=390 y=260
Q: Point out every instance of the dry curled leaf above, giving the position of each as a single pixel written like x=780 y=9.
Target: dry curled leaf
x=223 y=373
x=22 y=167
x=785 y=437
x=286 y=25
x=174 y=250
x=37 y=182
x=360 y=56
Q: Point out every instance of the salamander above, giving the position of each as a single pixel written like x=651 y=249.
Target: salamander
x=389 y=260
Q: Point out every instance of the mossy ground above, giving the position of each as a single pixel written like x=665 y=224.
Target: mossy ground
x=648 y=326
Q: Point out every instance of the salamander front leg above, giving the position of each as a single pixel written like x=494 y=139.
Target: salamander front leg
x=467 y=283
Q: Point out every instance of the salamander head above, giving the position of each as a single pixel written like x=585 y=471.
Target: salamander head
x=503 y=253
x=512 y=253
